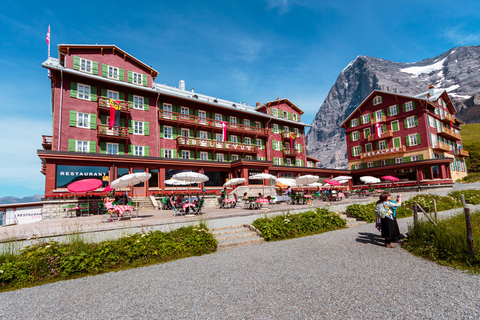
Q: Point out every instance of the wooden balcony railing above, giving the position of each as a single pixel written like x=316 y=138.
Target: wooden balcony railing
x=375 y=119
x=461 y=152
x=449 y=134
x=195 y=121
x=385 y=135
x=442 y=146
x=44 y=169
x=218 y=146
x=447 y=118
x=104 y=103
x=290 y=152
x=112 y=133
x=287 y=135
x=47 y=142
x=381 y=153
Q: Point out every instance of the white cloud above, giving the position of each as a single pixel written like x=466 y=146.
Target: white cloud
x=459 y=36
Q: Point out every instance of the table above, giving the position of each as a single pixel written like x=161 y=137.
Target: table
x=186 y=205
x=124 y=210
x=259 y=203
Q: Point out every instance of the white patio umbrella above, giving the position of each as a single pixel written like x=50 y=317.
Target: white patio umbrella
x=315 y=185
x=234 y=181
x=175 y=182
x=190 y=177
x=287 y=182
x=131 y=180
x=369 y=179
x=263 y=176
x=307 y=179
x=340 y=178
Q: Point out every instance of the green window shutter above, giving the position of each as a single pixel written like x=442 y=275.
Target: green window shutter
x=93 y=93
x=103 y=119
x=71 y=144
x=130 y=149
x=121 y=149
x=405 y=123
x=129 y=76
x=383 y=113
x=95 y=67
x=103 y=92
x=190 y=134
x=403 y=107
x=395 y=126
x=364 y=165
x=396 y=142
x=353 y=167
x=406 y=159
x=351 y=123
x=420 y=156
x=351 y=152
x=384 y=127
x=93 y=146
x=377 y=145
x=146 y=128
x=388 y=112
x=413 y=105
x=103 y=147
x=209 y=135
x=104 y=70
x=418 y=138
x=360 y=149
x=146 y=150
x=209 y=156
x=145 y=80
x=130 y=126
x=386 y=144
x=73 y=118
x=161 y=131
x=361 y=120
x=174 y=133
x=368 y=147
x=76 y=63
x=130 y=100
x=351 y=136
x=121 y=95
x=273 y=145
x=93 y=121
x=376 y=163
x=398 y=108
x=146 y=104
x=121 y=74
x=73 y=89
x=416 y=121
x=407 y=141
x=223 y=117
x=197 y=134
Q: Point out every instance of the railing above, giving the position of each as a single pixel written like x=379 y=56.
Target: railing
x=384 y=135
x=104 y=103
x=461 y=152
x=381 y=153
x=442 y=146
x=114 y=132
x=47 y=142
x=216 y=145
x=186 y=119
x=291 y=152
x=447 y=118
x=286 y=135
x=44 y=169
x=450 y=134
x=375 y=119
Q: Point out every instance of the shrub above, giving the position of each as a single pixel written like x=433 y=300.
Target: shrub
x=471 y=177
x=44 y=262
x=446 y=244
x=426 y=202
x=364 y=212
x=472 y=196
x=298 y=225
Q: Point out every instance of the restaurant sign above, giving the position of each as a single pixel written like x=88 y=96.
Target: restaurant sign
x=217 y=144
x=382 y=152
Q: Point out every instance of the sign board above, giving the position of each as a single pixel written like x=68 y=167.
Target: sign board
x=28 y=214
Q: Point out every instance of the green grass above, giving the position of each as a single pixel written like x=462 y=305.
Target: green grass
x=470 y=133
x=446 y=244
x=471 y=143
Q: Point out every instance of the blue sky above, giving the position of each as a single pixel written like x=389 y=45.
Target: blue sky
x=243 y=51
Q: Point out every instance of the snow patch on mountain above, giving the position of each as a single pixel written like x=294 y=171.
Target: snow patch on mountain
x=416 y=71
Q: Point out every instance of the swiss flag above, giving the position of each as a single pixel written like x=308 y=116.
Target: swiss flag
x=378 y=130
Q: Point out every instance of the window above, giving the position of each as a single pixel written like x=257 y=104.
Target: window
x=185 y=112
x=383 y=162
x=274 y=112
x=168 y=111
x=377 y=100
x=366 y=132
x=368 y=147
x=203 y=135
x=354 y=122
x=395 y=126
x=257 y=124
x=81 y=146
x=295 y=130
x=413 y=140
x=185 y=154
x=378 y=115
x=168 y=153
x=218 y=119
x=234 y=139
x=248 y=140
x=277 y=161
x=234 y=157
x=275 y=128
x=410 y=122
x=288 y=162
x=112 y=95
x=310 y=164
x=382 y=145
x=259 y=143
x=286 y=129
x=298 y=163
x=399 y=160
x=285 y=114
x=112 y=148
x=397 y=142
x=138 y=151
x=246 y=123
x=137 y=78
x=233 y=121
x=431 y=122
x=248 y=157
x=218 y=137
x=357 y=166
x=83 y=120
x=366 y=118
x=276 y=145
x=298 y=146
x=370 y=164
x=294 y=117
x=167 y=132
x=83 y=91
x=137 y=102
x=356 y=151
x=408 y=106
x=355 y=136
x=220 y=157
x=415 y=158
x=85 y=65
x=137 y=127
x=203 y=116
x=112 y=72
x=203 y=156
x=393 y=110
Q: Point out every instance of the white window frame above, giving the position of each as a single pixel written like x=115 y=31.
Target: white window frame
x=246 y=123
x=415 y=158
x=137 y=78
x=203 y=135
x=382 y=145
x=285 y=115
x=202 y=115
x=371 y=147
x=258 y=142
x=83 y=91
x=398 y=125
x=167 y=132
x=412 y=139
x=185 y=112
x=248 y=140
x=220 y=157
x=295 y=130
x=354 y=123
x=276 y=145
x=370 y=164
x=377 y=100
x=408 y=106
x=275 y=128
x=398 y=160
x=355 y=135
x=295 y=116
x=286 y=129
x=218 y=137
x=366 y=118
x=233 y=121
x=393 y=110
x=167 y=108
x=138 y=151
x=298 y=162
x=114 y=95
x=86 y=66
x=365 y=130
x=83 y=120
x=377 y=118
x=383 y=162
x=288 y=162
x=112 y=146
x=233 y=139
x=186 y=154
x=248 y=157
x=356 y=151
x=431 y=121
x=82 y=146
x=138 y=102
x=218 y=119
x=138 y=127
x=168 y=153
x=357 y=166
x=258 y=124
x=235 y=157
x=274 y=112
x=112 y=69
x=203 y=156
x=410 y=122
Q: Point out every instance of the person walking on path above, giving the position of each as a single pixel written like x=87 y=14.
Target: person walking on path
x=384 y=210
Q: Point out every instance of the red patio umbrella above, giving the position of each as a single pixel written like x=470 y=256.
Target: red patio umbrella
x=390 y=178
x=332 y=182
x=84 y=185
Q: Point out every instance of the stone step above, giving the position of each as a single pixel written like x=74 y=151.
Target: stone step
x=227 y=228
x=355 y=223
x=237 y=235
x=233 y=243
x=229 y=231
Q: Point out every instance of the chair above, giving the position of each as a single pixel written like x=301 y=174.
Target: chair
x=198 y=208
x=84 y=209
x=70 y=210
x=221 y=204
x=178 y=209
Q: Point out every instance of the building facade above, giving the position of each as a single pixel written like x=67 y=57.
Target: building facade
x=411 y=137
x=110 y=118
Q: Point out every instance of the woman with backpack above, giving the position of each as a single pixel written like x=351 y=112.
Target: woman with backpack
x=384 y=211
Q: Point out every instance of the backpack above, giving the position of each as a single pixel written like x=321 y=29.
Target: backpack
x=381 y=210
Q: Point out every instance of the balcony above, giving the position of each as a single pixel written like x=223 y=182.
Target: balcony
x=289 y=135
x=461 y=152
x=217 y=146
x=186 y=120
x=47 y=142
x=385 y=135
x=447 y=118
x=442 y=147
x=104 y=104
x=381 y=153
x=44 y=169
x=290 y=153
x=375 y=120
x=114 y=133
x=449 y=134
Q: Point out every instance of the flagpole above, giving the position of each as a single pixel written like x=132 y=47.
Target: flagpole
x=48 y=43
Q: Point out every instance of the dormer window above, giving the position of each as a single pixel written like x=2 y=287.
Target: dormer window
x=85 y=65
x=377 y=100
x=274 y=112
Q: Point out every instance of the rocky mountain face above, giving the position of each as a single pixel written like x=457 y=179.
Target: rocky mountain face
x=456 y=71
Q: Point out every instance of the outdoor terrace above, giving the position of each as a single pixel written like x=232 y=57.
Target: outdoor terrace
x=449 y=134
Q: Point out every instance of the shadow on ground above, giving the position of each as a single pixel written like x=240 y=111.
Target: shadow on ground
x=370 y=238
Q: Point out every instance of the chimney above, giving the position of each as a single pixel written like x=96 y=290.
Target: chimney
x=258 y=104
x=181 y=85
x=431 y=90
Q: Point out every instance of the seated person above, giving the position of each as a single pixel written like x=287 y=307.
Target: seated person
x=223 y=193
x=179 y=201
x=269 y=198
x=245 y=197
x=108 y=202
x=260 y=196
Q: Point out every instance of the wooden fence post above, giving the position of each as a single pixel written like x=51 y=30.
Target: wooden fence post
x=435 y=208
x=415 y=217
x=468 y=222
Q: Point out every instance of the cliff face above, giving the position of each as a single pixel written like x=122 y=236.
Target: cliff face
x=456 y=71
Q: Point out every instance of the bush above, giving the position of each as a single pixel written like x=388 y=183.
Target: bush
x=298 y=225
x=472 y=196
x=364 y=212
x=446 y=244
x=426 y=202
x=471 y=177
x=52 y=261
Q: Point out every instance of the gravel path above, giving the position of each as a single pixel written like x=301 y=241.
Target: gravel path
x=345 y=274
